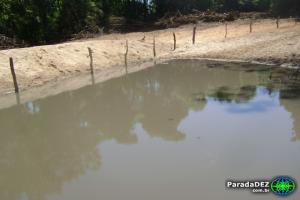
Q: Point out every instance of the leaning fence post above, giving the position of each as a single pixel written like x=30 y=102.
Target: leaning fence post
x=91 y=60
x=226 y=29
x=154 y=47
x=277 y=22
x=12 y=69
x=126 y=54
x=194 y=33
x=174 y=38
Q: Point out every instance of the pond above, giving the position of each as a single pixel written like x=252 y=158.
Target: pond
x=174 y=131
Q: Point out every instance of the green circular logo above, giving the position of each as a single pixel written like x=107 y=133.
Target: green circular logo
x=283 y=186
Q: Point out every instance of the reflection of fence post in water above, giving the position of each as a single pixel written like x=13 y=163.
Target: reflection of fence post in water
x=126 y=54
x=174 y=38
x=12 y=69
x=18 y=98
x=93 y=78
x=194 y=33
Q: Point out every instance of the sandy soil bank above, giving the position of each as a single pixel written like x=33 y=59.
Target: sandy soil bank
x=50 y=66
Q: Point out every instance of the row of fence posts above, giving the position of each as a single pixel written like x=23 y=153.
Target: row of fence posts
x=251 y=26
x=11 y=62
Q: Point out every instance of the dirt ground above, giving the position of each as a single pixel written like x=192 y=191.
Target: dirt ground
x=53 y=64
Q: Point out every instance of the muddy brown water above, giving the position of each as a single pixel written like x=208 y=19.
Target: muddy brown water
x=175 y=131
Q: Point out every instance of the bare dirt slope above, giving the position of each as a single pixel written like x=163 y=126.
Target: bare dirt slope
x=36 y=66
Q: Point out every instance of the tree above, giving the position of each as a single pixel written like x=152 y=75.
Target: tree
x=285 y=7
x=46 y=21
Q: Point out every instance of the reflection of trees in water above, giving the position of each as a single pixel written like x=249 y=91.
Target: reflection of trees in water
x=37 y=156
x=240 y=95
x=54 y=140
x=293 y=106
x=290 y=99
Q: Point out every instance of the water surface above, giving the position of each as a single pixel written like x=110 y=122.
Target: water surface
x=171 y=132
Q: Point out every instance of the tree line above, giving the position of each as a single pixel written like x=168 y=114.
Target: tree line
x=44 y=21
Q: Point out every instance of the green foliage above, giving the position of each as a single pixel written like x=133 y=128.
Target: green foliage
x=285 y=7
x=163 y=6
x=44 y=21
x=39 y=21
x=242 y=5
x=76 y=15
x=136 y=9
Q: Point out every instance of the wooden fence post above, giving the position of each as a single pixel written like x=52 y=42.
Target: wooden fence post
x=154 y=47
x=91 y=60
x=226 y=29
x=194 y=33
x=174 y=38
x=12 y=69
x=126 y=54
x=251 y=24
x=277 y=22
